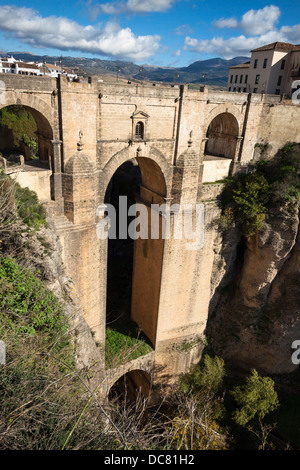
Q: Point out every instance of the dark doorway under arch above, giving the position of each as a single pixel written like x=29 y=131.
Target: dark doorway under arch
x=132 y=386
x=134 y=266
x=125 y=182
x=222 y=136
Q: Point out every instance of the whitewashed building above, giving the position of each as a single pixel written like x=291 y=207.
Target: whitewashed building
x=11 y=65
x=272 y=69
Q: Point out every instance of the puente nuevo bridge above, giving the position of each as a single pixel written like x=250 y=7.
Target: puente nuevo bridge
x=183 y=142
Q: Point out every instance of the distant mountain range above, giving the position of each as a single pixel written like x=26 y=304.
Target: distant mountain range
x=215 y=70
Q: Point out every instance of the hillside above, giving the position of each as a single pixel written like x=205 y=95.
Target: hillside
x=216 y=70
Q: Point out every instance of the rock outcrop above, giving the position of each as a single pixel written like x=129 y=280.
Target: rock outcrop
x=255 y=308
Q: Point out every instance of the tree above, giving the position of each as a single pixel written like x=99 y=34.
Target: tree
x=248 y=195
x=205 y=379
x=198 y=407
x=256 y=398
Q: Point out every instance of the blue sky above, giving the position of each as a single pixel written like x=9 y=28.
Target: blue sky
x=156 y=32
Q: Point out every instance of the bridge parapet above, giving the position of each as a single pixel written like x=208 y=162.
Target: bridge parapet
x=34 y=84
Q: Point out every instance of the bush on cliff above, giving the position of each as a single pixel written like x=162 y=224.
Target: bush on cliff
x=248 y=197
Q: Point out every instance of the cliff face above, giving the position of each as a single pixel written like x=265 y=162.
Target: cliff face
x=41 y=252
x=48 y=262
x=255 y=309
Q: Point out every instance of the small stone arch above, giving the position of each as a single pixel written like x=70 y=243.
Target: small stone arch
x=35 y=104
x=45 y=131
x=222 y=135
x=134 y=384
x=221 y=109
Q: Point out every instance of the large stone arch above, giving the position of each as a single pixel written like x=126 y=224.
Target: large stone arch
x=147 y=253
x=149 y=159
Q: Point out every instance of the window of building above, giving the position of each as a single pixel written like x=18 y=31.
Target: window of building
x=257 y=79
x=241 y=79
x=265 y=63
x=236 y=79
x=279 y=80
x=282 y=64
x=277 y=92
x=246 y=79
x=255 y=90
x=255 y=63
x=239 y=90
x=139 y=130
x=231 y=78
x=229 y=89
x=244 y=90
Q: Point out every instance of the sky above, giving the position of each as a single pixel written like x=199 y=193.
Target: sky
x=170 y=33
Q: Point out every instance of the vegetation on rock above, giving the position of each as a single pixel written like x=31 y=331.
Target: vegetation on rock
x=23 y=127
x=248 y=197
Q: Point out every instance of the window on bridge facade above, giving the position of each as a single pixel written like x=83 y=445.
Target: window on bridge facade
x=139 y=130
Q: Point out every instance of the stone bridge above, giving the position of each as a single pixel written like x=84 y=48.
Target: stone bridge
x=182 y=141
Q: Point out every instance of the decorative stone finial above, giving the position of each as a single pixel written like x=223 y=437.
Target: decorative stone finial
x=190 y=141
x=80 y=143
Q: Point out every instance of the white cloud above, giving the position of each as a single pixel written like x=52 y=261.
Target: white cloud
x=144 y=6
x=183 y=30
x=260 y=21
x=232 y=47
x=135 y=6
x=226 y=23
x=177 y=53
x=258 y=28
x=292 y=33
x=26 y=25
x=253 y=22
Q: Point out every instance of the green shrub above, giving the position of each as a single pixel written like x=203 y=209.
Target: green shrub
x=206 y=378
x=29 y=208
x=256 y=398
x=248 y=196
x=272 y=183
x=27 y=306
x=23 y=126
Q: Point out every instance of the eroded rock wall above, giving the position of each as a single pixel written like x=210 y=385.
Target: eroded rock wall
x=255 y=308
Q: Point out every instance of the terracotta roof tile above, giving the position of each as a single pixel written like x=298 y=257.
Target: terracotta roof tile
x=24 y=65
x=246 y=65
x=275 y=46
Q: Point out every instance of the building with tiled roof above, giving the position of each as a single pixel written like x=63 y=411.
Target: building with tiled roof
x=11 y=65
x=272 y=69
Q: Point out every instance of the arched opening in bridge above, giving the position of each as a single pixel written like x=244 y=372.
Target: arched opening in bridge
x=222 y=136
x=26 y=148
x=133 y=265
x=131 y=387
x=124 y=184
x=25 y=131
